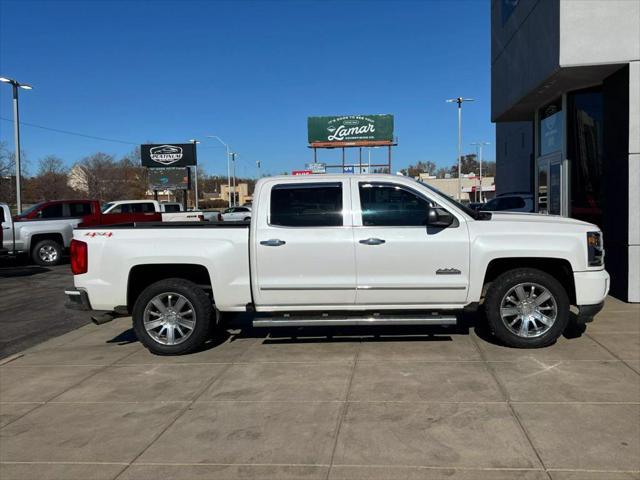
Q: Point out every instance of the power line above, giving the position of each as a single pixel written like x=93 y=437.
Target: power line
x=66 y=132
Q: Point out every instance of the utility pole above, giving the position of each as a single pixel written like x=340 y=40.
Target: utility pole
x=16 y=134
x=459 y=101
x=479 y=146
x=228 y=164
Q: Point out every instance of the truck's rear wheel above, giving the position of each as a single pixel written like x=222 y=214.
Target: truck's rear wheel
x=47 y=253
x=527 y=308
x=172 y=317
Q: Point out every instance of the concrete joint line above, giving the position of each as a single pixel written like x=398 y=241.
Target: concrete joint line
x=345 y=408
x=624 y=362
x=504 y=391
x=181 y=412
x=99 y=370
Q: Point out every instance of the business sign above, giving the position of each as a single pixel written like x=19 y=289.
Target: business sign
x=551 y=128
x=317 y=167
x=169 y=178
x=301 y=172
x=348 y=170
x=350 y=130
x=168 y=155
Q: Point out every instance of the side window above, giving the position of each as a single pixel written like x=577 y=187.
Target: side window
x=116 y=209
x=77 y=209
x=171 y=208
x=141 y=208
x=51 y=211
x=391 y=206
x=512 y=202
x=306 y=205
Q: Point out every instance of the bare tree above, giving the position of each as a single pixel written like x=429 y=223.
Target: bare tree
x=427 y=167
x=51 y=182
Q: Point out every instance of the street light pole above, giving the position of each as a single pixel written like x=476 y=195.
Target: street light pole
x=228 y=165
x=233 y=169
x=480 y=145
x=16 y=133
x=195 y=171
x=459 y=101
x=258 y=169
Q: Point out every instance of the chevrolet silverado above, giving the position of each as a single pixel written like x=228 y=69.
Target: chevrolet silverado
x=344 y=250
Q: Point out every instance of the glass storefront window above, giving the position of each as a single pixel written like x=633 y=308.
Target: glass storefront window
x=584 y=150
x=551 y=127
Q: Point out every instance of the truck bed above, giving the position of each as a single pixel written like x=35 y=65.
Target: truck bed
x=118 y=252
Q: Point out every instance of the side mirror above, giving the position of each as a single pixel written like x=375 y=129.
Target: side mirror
x=439 y=218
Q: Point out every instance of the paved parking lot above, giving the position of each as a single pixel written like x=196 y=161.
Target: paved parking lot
x=362 y=403
x=33 y=305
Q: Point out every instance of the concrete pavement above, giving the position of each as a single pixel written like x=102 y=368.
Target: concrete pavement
x=360 y=404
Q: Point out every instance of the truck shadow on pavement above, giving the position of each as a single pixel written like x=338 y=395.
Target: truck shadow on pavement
x=21 y=271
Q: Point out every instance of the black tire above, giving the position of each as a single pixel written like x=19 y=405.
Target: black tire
x=202 y=316
x=47 y=253
x=510 y=279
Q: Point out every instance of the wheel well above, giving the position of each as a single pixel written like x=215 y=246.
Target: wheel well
x=141 y=276
x=56 y=237
x=558 y=268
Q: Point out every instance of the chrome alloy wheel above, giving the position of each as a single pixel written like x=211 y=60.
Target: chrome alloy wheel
x=169 y=318
x=528 y=310
x=48 y=254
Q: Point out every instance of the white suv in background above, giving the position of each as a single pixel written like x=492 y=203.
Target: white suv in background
x=512 y=202
x=235 y=214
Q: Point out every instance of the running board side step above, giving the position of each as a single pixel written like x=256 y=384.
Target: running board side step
x=329 y=321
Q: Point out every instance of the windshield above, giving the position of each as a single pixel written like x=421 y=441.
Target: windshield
x=469 y=211
x=106 y=207
x=29 y=210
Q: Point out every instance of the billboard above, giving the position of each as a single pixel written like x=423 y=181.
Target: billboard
x=169 y=178
x=168 y=155
x=350 y=130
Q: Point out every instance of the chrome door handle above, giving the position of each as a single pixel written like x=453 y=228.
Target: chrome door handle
x=372 y=241
x=274 y=242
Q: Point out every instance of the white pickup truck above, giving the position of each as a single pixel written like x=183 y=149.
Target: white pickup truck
x=344 y=250
x=170 y=211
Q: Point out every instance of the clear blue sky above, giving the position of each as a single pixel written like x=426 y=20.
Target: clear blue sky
x=250 y=72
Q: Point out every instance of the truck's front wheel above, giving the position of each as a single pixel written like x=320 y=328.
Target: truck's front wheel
x=172 y=317
x=527 y=308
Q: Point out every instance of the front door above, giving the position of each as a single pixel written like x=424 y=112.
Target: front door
x=303 y=248
x=549 y=185
x=400 y=261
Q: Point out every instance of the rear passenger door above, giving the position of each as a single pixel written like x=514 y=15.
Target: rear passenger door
x=303 y=246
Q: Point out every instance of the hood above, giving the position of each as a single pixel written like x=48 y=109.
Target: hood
x=538 y=218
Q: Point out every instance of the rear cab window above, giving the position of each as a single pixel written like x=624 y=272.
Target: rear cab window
x=307 y=205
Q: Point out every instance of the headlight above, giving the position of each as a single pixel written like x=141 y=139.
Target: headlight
x=595 y=249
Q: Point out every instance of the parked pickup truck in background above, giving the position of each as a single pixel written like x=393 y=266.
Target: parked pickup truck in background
x=344 y=250
x=169 y=211
x=45 y=230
